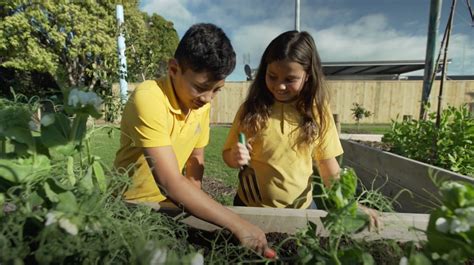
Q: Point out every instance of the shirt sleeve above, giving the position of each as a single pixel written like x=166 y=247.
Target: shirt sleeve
x=204 y=137
x=329 y=145
x=148 y=119
x=233 y=135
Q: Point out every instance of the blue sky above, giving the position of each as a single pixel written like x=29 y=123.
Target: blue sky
x=344 y=30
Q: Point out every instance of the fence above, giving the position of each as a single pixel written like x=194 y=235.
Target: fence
x=387 y=99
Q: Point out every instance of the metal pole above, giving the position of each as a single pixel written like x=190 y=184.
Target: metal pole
x=122 y=59
x=445 y=59
x=297 y=15
x=435 y=10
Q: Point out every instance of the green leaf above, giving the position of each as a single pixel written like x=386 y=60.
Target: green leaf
x=70 y=170
x=67 y=202
x=100 y=176
x=22 y=170
x=86 y=181
x=56 y=133
x=52 y=196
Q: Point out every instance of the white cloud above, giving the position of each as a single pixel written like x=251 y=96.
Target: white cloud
x=173 y=10
x=366 y=39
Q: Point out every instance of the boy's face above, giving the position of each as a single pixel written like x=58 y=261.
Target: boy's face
x=193 y=89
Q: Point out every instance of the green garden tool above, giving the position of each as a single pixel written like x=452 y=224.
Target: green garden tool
x=247 y=179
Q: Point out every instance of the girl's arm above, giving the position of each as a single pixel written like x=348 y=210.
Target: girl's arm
x=328 y=170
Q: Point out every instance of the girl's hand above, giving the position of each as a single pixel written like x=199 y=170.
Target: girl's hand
x=374 y=218
x=240 y=154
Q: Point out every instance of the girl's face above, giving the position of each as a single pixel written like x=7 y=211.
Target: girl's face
x=285 y=79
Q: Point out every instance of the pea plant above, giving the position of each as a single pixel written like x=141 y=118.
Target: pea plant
x=450 y=230
x=59 y=203
x=344 y=218
x=448 y=146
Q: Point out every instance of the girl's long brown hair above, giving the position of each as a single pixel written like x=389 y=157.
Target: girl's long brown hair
x=297 y=47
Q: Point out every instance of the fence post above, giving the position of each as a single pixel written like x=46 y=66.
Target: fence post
x=337 y=122
x=407 y=117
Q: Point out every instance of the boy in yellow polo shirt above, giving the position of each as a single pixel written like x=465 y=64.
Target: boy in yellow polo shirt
x=165 y=127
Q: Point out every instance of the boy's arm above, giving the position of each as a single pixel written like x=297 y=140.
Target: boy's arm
x=195 y=167
x=178 y=188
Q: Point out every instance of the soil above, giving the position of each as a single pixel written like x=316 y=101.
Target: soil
x=384 y=252
x=215 y=187
x=377 y=145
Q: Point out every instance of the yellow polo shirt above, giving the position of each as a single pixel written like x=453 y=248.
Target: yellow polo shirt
x=283 y=171
x=152 y=118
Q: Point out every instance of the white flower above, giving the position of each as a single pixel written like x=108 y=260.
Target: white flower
x=73 y=99
x=198 y=259
x=458 y=226
x=403 y=261
x=83 y=99
x=51 y=218
x=442 y=225
x=159 y=257
x=69 y=227
x=467 y=212
x=47 y=120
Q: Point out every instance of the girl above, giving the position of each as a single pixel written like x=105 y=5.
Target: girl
x=287 y=119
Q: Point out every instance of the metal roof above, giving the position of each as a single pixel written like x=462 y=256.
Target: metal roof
x=373 y=67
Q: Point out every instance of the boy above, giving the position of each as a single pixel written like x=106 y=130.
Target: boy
x=165 y=127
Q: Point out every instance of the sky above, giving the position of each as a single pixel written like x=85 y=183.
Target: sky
x=344 y=30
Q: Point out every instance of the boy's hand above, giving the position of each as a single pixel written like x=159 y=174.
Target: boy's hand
x=252 y=237
x=240 y=154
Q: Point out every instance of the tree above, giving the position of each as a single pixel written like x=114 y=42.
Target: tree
x=74 y=42
x=151 y=41
x=359 y=112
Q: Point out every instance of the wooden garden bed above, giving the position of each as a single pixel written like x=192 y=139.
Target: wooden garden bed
x=393 y=173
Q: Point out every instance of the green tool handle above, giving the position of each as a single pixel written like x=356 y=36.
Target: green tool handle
x=242 y=138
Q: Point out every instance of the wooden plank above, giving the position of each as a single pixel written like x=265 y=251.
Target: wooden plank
x=396 y=226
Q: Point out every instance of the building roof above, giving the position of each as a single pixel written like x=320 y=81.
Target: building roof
x=367 y=69
x=372 y=67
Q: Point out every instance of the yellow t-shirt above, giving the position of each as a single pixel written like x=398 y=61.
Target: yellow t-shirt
x=152 y=118
x=282 y=171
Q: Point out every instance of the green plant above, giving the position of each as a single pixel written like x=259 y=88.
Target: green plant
x=58 y=203
x=344 y=219
x=450 y=231
x=359 y=113
x=448 y=146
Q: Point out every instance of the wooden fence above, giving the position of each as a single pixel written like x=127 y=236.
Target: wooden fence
x=387 y=99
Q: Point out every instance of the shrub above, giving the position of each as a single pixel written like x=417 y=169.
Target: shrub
x=448 y=146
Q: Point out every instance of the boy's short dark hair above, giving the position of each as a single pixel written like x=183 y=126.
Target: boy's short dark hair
x=206 y=48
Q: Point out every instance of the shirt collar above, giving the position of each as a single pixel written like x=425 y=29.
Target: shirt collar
x=172 y=102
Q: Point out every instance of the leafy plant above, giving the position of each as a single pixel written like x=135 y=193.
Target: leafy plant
x=58 y=203
x=344 y=218
x=359 y=113
x=448 y=146
x=450 y=230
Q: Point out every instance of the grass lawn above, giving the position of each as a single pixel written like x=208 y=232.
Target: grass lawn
x=372 y=128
